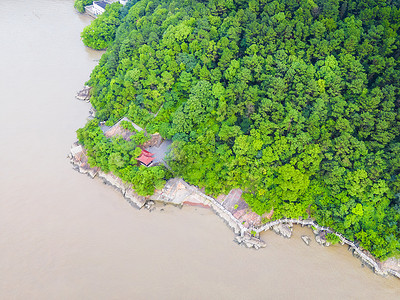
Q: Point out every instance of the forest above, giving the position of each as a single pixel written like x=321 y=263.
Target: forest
x=295 y=102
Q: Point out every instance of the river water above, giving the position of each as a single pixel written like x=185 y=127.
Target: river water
x=65 y=236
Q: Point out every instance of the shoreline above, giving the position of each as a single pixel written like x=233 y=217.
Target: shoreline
x=178 y=193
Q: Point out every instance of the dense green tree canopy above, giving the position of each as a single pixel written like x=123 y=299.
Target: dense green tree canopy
x=101 y=32
x=295 y=102
x=80 y=4
x=119 y=156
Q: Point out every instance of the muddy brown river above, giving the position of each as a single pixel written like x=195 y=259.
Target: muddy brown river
x=65 y=236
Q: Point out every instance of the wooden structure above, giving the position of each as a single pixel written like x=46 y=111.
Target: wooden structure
x=145 y=158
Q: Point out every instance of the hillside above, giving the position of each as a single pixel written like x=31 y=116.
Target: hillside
x=295 y=102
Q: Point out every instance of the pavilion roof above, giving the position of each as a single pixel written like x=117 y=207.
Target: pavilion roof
x=145 y=157
x=146 y=153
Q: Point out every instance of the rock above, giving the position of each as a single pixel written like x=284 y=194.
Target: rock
x=92 y=114
x=306 y=239
x=321 y=239
x=131 y=196
x=92 y=173
x=318 y=239
x=113 y=180
x=84 y=94
x=283 y=230
x=250 y=241
x=392 y=265
x=356 y=254
x=149 y=205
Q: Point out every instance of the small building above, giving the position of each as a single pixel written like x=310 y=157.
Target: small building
x=145 y=158
x=98 y=7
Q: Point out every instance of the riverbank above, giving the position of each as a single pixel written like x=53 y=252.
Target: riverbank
x=231 y=208
x=65 y=236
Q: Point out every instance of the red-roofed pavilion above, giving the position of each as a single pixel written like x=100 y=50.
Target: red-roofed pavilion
x=146 y=153
x=145 y=158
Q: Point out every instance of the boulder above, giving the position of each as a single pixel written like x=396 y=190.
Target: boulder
x=320 y=238
x=133 y=198
x=92 y=172
x=84 y=94
x=149 y=205
x=92 y=114
x=250 y=241
x=306 y=239
x=283 y=230
x=111 y=179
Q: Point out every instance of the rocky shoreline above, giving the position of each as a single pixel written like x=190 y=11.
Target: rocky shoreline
x=178 y=192
x=246 y=224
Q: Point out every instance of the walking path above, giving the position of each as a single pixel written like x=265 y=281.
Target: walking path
x=231 y=208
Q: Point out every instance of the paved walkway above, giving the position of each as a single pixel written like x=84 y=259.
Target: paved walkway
x=160 y=152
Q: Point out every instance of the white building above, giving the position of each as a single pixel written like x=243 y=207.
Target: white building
x=99 y=7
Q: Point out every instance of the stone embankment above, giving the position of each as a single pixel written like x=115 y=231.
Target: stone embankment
x=79 y=160
x=388 y=267
x=178 y=192
x=231 y=208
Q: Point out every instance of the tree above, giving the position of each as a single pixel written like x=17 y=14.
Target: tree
x=294 y=102
x=80 y=5
x=101 y=32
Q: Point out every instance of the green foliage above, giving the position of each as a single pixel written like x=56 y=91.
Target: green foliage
x=332 y=238
x=128 y=126
x=118 y=156
x=80 y=5
x=295 y=102
x=101 y=32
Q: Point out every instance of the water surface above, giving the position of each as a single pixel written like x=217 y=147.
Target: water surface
x=65 y=236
